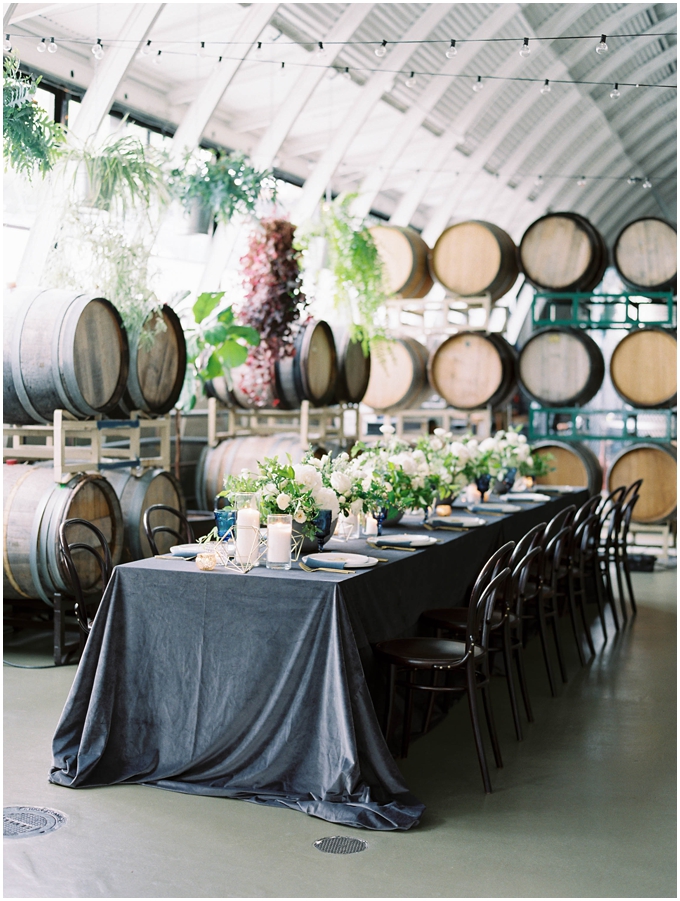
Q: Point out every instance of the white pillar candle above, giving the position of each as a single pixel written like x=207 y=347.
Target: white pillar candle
x=371 y=526
x=247 y=535
x=472 y=495
x=279 y=537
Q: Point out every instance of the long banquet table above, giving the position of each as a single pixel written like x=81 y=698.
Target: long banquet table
x=252 y=686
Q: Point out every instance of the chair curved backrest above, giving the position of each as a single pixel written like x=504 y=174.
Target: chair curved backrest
x=152 y=532
x=633 y=489
x=526 y=544
x=554 y=552
x=497 y=561
x=626 y=517
x=586 y=509
x=102 y=555
x=480 y=613
x=558 y=522
x=529 y=567
x=612 y=498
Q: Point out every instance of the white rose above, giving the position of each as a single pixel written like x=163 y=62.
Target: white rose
x=440 y=433
x=366 y=482
x=530 y=461
x=327 y=499
x=387 y=429
x=357 y=507
x=418 y=483
x=487 y=445
x=388 y=486
x=307 y=475
x=522 y=439
x=270 y=489
x=500 y=434
x=459 y=451
x=472 y=444
x=512 y=438
x=523 y=452
x=300 y=516
x=436 y=443
x=342 y=458
x=341 y=482
x=282 y=501
x=418 y=455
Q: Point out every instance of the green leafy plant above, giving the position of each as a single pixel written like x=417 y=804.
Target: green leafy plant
x=226 y=184
x=30 y=139
x=215 y=344
x=354 y=261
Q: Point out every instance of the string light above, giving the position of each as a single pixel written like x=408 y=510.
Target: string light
x=602 y=46
x=451 y=52
x=320 y=51
x=146 y=49
x=581 y=182
x=282 y=70
x=157 y=58
x=646 y=184
x=201 y=50
x=410 y=81
x=525 y=49
x=257 y=52
x=615 y=93
x=97 y=49
x=346 y=74
x=546 y=87
x=42 y=46
x=478 y=85
x=52 y=47
x=381 y=50
x=632 y=180
x=538 y=181
x=7 y=46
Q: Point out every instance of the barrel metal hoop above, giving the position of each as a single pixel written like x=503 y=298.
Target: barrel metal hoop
x=134 y=389
x=62 y=349
x=5 y=554
x=35 y=549
x=16 y=363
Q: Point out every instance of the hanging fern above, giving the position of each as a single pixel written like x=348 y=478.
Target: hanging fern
x=30 y=139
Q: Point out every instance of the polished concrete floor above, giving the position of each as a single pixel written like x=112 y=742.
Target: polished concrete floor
x=584 y=807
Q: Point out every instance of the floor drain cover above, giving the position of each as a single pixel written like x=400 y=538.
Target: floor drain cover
x=25 y=822
x=340 y=844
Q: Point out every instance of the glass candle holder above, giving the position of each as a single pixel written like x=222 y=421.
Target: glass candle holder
x=279 y=540
x=206 y=562
x=247 y=529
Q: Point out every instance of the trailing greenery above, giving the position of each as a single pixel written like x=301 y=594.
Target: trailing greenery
x=226 y=185
x=30 y=138
x=215 y=345
x=354 y=261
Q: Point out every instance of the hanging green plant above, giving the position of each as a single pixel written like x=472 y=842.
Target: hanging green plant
x=225 y=185
x=30 y=139
x=359 y=289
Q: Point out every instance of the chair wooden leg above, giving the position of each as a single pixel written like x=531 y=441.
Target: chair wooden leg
x=626 y=569
x=490 y=722
x=580 y=595
x=543 y=632
x=522 y=679
x=408 y=716
x=572 y=616
x=474 y=716
x=59 y=630
x=389 y=705
x=507 y=662
x=599 y=599
x=558 y=646
x=607 y=581
x=619 y=582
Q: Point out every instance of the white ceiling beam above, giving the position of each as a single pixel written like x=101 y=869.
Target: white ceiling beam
x=304 y=86
x=370 y=94
x=94 y=107
x=10 y=9
x=35 y=10
x=202 y=108
x=403 y=134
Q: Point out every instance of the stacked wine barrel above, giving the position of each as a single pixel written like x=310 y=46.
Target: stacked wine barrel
x=69 y=350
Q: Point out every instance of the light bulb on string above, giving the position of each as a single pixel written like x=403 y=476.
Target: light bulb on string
x=97 y=49
x=581 y=182
x=538 y=181
x=646 y=184
x=201 y=50
x=478 y=85
x=602 y=46
x=146 y=49
x=42 y=46
x=257 y=52
x=346 y=74
x=451 y=52
x=52 y=47
x=615 y=93
x=525 y=50
x=381 y=50
x=410 y=81
x=632 y=180
x=320 y=51
x=282 y=71
x=545 y=89
x=7 y=46
x=157 y=58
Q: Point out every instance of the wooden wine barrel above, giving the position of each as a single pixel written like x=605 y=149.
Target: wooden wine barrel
x=475 y=257
x=473 y=369
x=158 y=360
x=560 y=367
x=574 y=464
x=311 y=373
x=136 y=494
x=233 y=455
x=644 y=368
x=398 y=375
x=354 y=368
x=657 y=464
x=646 y=254
x=61 y=349
x=34 y=507
x=563 y=252
x=404 y=256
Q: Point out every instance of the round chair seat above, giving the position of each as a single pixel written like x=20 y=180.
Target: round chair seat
x=425 y=653
x=456 y=617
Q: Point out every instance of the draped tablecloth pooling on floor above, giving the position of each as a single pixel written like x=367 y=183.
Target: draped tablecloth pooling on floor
x=252 y=686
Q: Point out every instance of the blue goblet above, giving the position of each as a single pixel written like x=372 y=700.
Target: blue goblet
x=483 y=482
x=322 y=526
x=380 y=517
x=225 y=520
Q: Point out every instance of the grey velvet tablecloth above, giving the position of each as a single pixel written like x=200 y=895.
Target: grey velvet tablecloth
x=252 y=686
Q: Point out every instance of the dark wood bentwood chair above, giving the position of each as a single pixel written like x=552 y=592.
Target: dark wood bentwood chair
x=186 y=535
x=463 y=662
x=585 y=567
x=85 y=598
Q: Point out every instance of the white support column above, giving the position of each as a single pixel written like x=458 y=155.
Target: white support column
x=94 y=107
x=201 y=110
x=370 y=94
x=305 y=85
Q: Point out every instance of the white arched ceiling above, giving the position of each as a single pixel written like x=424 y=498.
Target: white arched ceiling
x=497 y=141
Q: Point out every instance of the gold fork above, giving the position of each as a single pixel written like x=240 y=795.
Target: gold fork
x=391 y=547
x=324 y=569
x=447 y=528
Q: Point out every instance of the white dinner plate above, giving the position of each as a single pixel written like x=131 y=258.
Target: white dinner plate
x=467 y=521
x=532 y=496
x=351 y=561
x=186 y=550
x=408 y=540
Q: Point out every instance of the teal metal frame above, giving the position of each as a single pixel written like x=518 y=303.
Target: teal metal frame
x=582 y=308
x=573 y=430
